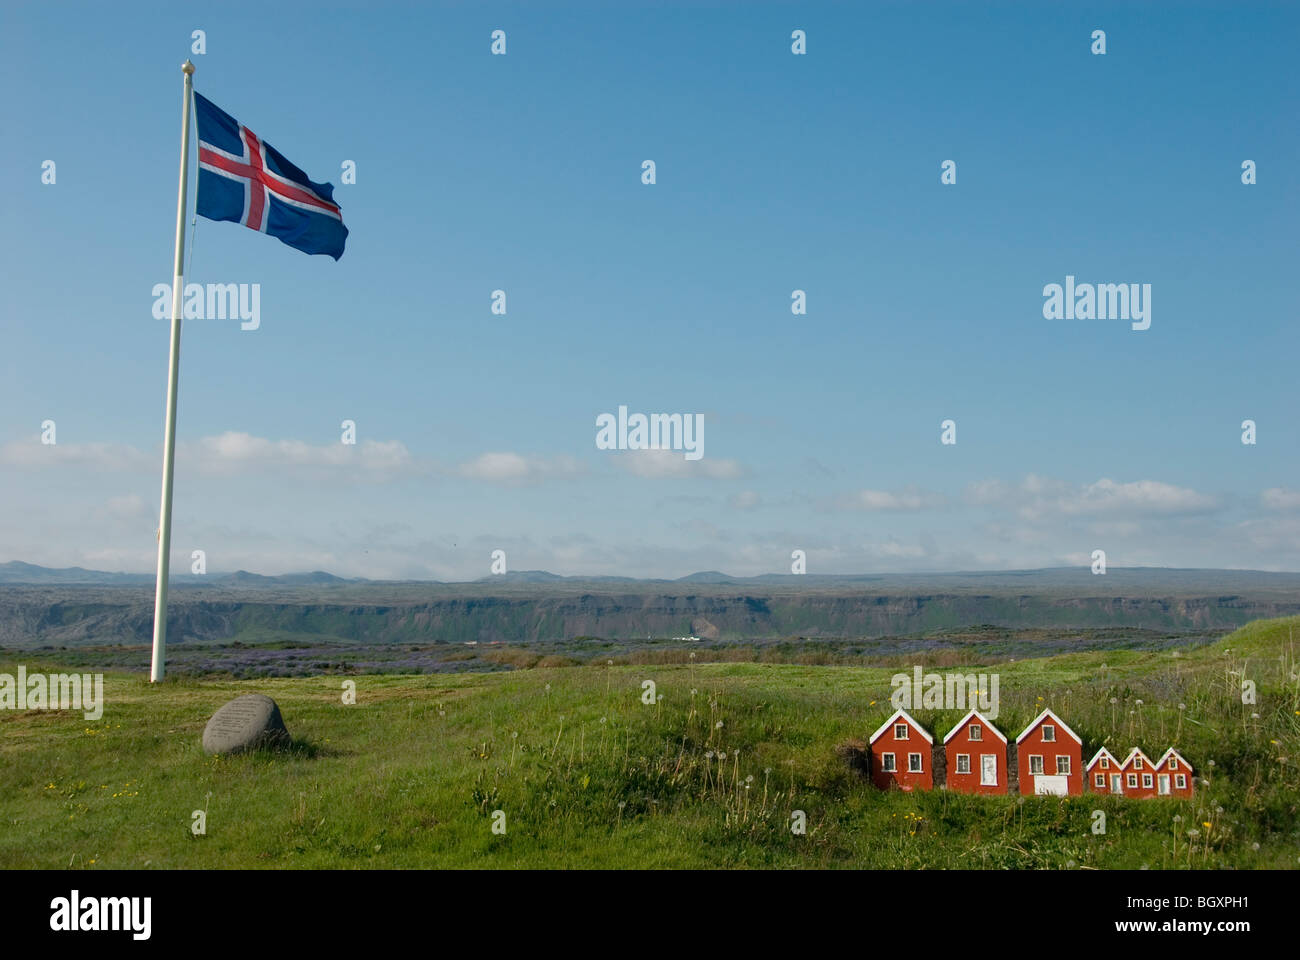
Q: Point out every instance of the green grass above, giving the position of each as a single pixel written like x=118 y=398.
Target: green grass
x=590 y=776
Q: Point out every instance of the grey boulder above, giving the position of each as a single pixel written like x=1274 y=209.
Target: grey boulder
x=250 y=722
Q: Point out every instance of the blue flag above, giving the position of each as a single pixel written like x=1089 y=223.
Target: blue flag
x=245 y=179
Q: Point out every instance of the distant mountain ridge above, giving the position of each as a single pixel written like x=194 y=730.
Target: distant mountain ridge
x=30 y=574
x=39 y=606
x=19 y=573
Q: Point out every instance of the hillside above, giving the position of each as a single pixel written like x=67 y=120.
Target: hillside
x=709 y=776
x=531 y=607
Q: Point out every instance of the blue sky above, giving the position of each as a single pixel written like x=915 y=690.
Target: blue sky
x=775 y=172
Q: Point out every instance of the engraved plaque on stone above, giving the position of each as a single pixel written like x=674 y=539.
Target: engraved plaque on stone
x=245 y=723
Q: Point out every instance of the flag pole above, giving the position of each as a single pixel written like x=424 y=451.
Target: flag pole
x=157 y=668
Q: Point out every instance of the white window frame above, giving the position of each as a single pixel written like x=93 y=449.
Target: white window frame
x=1131 y=781
x=900 y=735
x=1180 y=781
x=976 y=732
x=888 y=763
x=919 y=768
x=960 y=758
x=1099 y=781
x=1059 y=760
x=1049 y=728
x=1147 y=781
x=1039 y=771
x=1173 y=763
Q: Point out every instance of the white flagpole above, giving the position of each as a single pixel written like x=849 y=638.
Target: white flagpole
x=169 y=435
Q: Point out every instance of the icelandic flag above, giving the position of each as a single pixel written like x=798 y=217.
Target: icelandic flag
x=245 y=179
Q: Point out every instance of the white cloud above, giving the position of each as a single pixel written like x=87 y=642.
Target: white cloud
x=226 y=452
x=672 y=463
x=908 y=499
x=986 y=492
x=1114 y=528
x=234 y=450
x=128 y=507
x=1037 y=497
x=515 y=468
x=894 y=550
x=1141 y=496
x=745 y=500
x=96 y=456
x=1279 y=498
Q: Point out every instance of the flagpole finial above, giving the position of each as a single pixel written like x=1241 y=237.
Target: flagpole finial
x=187 y=67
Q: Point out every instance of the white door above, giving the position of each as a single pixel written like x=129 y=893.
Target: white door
x=1115 y=781
x=1052 y=786
x=1164 y=784
x=988 y=770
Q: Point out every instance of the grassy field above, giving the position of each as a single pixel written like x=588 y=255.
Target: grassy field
x=588 y=775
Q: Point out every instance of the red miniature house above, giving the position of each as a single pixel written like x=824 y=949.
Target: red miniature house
x=1173 y=775
x=975 y=752
x=1103 y=773
x=900 y=754
x=1139 y=774
x=1050 y=757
